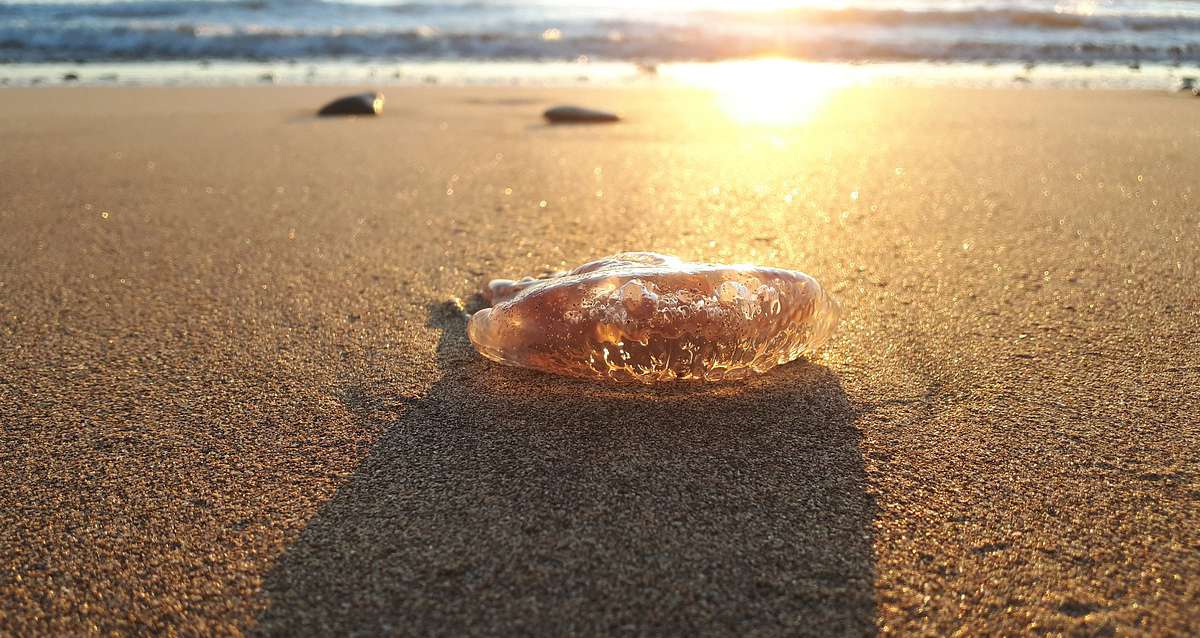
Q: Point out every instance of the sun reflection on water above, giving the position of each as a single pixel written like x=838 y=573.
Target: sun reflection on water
x=767 y=92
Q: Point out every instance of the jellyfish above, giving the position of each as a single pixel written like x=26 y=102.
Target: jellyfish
x=646 y=317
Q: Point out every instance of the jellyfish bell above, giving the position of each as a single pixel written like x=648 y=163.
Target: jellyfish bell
x=646 y=317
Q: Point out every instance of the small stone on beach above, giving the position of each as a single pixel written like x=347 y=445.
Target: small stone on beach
x=578 y=115
x=361 y=104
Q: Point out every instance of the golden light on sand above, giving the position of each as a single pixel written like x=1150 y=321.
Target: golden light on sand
x=769 y=92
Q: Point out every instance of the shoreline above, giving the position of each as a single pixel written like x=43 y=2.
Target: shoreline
x=608 y=73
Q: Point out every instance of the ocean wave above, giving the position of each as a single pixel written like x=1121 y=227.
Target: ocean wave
x=893 y=18
x=1052 y=18
x=477 y=29
x=132 y=9
x=265 y=43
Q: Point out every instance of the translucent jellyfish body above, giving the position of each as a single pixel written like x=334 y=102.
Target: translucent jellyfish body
x=648 y=317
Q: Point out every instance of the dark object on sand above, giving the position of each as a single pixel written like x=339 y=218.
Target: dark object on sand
x=578 y=115
x=361 y=104
x=1187 y=84
x=70 y=77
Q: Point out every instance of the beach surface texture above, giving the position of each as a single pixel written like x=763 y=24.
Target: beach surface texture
x=235 y=396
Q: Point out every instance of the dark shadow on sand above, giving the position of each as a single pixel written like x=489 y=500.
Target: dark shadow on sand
x=506 y=502
x=555 y=126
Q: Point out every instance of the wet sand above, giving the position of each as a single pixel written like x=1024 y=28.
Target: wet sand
x=234 y=399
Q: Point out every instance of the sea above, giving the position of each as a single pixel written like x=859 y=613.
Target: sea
x=1118 y=43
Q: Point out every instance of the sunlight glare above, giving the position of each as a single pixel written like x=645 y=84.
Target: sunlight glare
x=768 y=92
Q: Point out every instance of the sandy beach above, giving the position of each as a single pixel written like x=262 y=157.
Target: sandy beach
x=235 y=399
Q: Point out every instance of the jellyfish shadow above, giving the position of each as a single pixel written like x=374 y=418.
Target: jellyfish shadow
x=506 y=502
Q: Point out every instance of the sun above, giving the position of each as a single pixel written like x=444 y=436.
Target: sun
x=767 y=92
